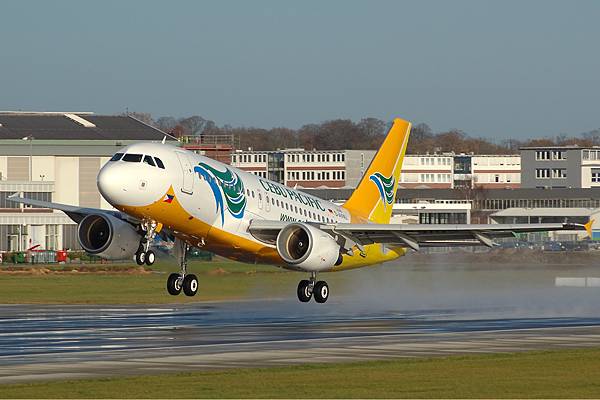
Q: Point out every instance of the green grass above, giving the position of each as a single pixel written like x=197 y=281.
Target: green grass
x=219 y=280
x=553 y=374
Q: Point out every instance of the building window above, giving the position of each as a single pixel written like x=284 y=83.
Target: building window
x=596 y=175
x=542 y=155
x=558 y=155
x=559 y=173
x=542 y=173
x=51 y=237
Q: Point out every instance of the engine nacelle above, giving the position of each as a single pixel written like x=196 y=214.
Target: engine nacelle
x=308 y=248
x=107 y=236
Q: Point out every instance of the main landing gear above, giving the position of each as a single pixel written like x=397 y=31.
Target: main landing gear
x=308 y=288
x=144 y=255
x=176 y=282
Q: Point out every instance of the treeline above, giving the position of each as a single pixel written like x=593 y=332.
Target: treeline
x=368 y=133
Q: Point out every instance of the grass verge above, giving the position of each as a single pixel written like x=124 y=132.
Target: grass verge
x=552 y=374
x=218 y=281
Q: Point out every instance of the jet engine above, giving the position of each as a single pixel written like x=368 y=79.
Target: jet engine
x=308 y=248
x=107 y=236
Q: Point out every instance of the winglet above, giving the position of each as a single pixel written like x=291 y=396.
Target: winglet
x=588 y=227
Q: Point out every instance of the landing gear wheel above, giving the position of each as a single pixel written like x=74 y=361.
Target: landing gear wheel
x=321 y=292
x=150 y=257
x=173 y=285
x=140 y=258
x=304 y=292
x=190 y=285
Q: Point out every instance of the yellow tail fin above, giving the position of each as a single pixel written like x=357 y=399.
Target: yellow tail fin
x=375 y=194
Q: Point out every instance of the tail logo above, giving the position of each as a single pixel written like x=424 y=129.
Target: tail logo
x=385 y=186
x=225 y=184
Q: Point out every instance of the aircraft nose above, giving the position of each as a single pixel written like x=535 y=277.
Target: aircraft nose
x=112 y=185
x=131 y=184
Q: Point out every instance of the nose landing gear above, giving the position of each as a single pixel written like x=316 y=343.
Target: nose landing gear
x=311 y=288
x=176 y=282
x=144 y=255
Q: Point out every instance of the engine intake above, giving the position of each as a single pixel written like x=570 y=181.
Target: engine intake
x=308 y=248
x=107 y=236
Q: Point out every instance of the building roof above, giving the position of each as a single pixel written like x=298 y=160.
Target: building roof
x=289 y=151
x=75 y=126
x=545 y=212
x=572 y=147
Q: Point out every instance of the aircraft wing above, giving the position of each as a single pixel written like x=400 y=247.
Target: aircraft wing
x=415 y=236
x=74 y=212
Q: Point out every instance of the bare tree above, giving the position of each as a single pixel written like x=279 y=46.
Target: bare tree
x=166 y=123
x=194 y=125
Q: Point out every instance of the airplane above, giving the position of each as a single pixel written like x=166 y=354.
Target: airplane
x=161 y=189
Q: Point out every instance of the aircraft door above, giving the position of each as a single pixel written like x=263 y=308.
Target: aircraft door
x=267 y=203
x=187 y=185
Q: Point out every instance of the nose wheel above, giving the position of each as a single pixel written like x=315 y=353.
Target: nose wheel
x=144 y=255
x=308 y=288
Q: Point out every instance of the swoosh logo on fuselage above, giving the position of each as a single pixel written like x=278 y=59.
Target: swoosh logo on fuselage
x=225 y=184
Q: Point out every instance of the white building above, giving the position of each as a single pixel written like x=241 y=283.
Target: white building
x=438 y=212
x=306 y=169
x=496 y=171
x=344 y=168
x=427 y=171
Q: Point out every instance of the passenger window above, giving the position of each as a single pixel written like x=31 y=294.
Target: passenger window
x=159 y=163
x=116 y=157
x=252 y=194
x=148 y=160
x=132 y=157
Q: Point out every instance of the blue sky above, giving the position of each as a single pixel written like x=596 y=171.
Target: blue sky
x=493 y=69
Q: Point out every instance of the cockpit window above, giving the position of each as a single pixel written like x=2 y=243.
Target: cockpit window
x=132 y=157
x=116 y=157
x=159 y=163
x=148 y=160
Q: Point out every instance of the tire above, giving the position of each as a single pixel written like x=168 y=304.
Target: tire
x=321 y=292
x=190 y=285
x=140 y=258
x=304 y=293
x=150 y=257
x=173 y=286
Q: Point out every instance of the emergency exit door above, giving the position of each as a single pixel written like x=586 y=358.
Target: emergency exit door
x=187 y=186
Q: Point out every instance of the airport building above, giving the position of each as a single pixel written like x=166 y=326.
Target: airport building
x=436 y=212
x=344 y=168
x=560 y=167
x=306 y=169
x=451 y=170
x=56 y=157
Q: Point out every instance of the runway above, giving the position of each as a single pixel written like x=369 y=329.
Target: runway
x=58 y=342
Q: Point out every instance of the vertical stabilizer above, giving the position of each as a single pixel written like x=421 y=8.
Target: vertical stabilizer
x=374 y=196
